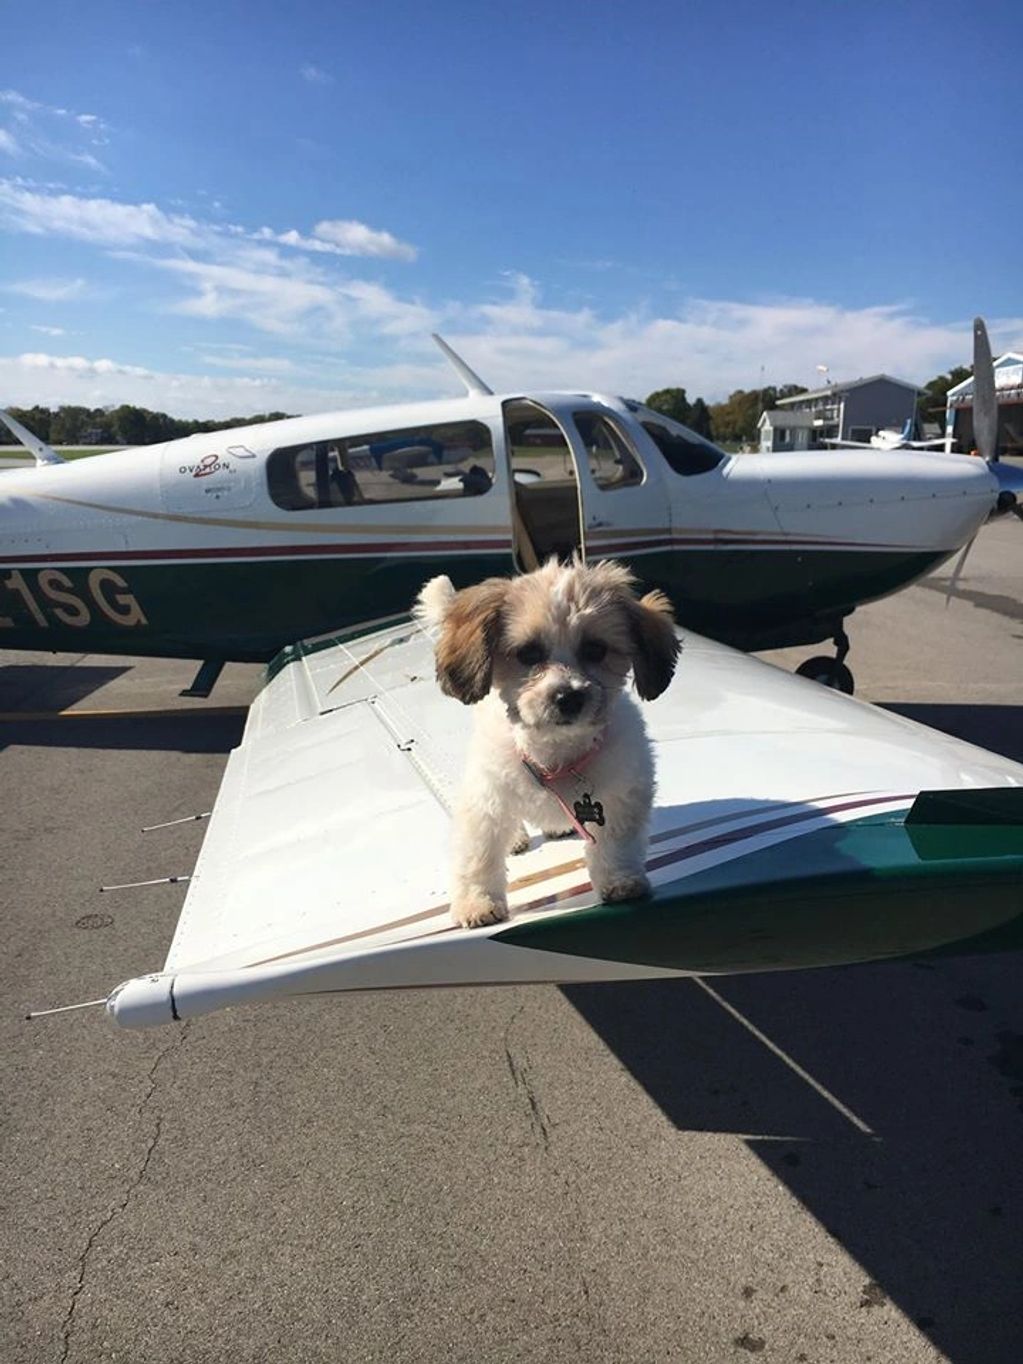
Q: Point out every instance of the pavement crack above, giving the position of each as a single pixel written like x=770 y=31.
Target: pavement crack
x=522 y=1077
x=121 y=1205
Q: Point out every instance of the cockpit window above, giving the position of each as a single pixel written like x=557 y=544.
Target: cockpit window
x=684 y=450
x=455 y=459
x=613 y=462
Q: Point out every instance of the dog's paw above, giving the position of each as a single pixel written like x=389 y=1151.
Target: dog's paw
x=624 y=886
x=520 y=842
x=475 y=908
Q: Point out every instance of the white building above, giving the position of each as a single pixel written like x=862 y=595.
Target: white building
x=782 y=430
x=1008 y=391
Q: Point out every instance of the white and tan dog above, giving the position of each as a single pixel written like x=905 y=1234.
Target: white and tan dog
x=556 y=739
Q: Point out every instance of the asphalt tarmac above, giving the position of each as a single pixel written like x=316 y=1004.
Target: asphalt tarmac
x=816 y=1167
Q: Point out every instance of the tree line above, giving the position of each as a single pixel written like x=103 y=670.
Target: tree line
x=733 y=422
x=124 y=425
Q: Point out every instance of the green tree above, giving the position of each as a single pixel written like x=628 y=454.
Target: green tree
x=700 y=419
x=930 y=405
x=37 y=419
x=671 y=402
x=69 y=424
x=130 y=424
x=735 y=420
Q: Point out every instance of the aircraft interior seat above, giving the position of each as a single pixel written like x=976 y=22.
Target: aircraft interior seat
x=550 y=515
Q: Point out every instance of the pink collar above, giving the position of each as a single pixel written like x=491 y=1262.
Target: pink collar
x=546 y=777
x=572 y=768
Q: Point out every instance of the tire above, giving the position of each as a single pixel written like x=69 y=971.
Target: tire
x=828 y=672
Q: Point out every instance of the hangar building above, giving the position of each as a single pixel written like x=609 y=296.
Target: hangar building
x=1008 y=391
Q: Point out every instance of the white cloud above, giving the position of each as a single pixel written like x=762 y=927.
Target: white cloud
x=710 y=347
x=78 y=364
x=54 y=379
x=254 y=364
x=101 y=221
x=356 y=239
x=48 y=331
x=49 y=290
x=108 y=222
x=291 y=285
x=315 y=75
x=52 y=133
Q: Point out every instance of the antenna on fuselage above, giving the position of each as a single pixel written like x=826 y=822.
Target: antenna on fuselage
x=42 y=452
x=469 y=377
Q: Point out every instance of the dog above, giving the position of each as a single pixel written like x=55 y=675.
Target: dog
x=545 y=658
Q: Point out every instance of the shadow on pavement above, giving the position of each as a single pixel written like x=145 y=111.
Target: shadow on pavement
x=191 y=731
x=998 y=728
x=929 y=1201
x=927 y=1055
x=45 y=686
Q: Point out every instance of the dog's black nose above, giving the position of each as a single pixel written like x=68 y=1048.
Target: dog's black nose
x=569 y=701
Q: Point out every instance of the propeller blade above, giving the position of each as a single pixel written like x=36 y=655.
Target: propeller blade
x=985 y=402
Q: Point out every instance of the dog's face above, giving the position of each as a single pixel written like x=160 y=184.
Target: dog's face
x=557 y=644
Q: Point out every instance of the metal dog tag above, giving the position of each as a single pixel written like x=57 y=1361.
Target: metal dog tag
x=588 y=811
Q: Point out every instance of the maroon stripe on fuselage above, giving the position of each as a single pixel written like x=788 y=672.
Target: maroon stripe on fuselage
x=263 y=552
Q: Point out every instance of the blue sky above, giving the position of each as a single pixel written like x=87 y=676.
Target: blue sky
x=223 y=208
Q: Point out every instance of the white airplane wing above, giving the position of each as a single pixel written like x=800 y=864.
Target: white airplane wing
x=793 y=826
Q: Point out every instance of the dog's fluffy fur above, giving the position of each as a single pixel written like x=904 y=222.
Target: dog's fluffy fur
x=546 y=657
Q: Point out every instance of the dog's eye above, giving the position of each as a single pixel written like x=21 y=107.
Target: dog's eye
x=592 y=651
x=531 y=654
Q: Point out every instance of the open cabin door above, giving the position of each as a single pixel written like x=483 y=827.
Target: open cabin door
x=581 y=484
x=546 y=507
x=626 y=506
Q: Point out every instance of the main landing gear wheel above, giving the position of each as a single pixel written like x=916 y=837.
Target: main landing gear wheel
x=829 y=672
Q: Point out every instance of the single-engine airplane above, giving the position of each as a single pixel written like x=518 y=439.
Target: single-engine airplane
x=227 y=546
x=888 y=439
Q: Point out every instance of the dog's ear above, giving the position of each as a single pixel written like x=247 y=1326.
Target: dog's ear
x=655 y=644
x=465 y=649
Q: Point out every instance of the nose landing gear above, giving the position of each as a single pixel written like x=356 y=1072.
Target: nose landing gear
x=831 y=672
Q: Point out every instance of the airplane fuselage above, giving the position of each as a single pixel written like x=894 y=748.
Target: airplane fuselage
x=233 y=544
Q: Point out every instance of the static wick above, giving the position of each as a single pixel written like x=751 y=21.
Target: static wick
x=65 y=1009
x=188 y=819
x=160 y=881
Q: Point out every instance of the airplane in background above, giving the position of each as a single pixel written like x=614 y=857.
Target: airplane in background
x=230 y=545
x=889 y=439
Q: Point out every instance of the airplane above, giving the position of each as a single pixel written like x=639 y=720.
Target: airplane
x=794 y=827
x=888 y=439
x=229 y=545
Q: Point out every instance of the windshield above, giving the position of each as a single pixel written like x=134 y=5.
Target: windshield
x=685 y=451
